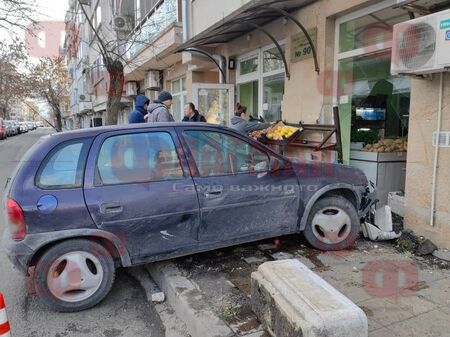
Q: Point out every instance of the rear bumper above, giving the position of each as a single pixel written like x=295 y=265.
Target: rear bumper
x=18 y=252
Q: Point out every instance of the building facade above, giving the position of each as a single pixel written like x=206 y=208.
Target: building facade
x=259 y=53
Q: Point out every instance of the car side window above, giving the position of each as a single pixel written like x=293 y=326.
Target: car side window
x=135 y=158
x=64 y=166
x=218 y=154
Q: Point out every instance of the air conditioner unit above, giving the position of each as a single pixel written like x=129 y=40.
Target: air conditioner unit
x=85 y=2
x=122 y=23
x=84 y=98
x=131 y=89
x=152 y=81
x=422 y=46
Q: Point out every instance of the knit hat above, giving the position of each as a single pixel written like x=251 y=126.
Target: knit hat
x=164 y=96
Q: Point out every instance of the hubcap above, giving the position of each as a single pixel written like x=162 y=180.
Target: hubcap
x=331 y=225
x=75 y=276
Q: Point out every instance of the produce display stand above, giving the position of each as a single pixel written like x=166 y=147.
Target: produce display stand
x=307 y=135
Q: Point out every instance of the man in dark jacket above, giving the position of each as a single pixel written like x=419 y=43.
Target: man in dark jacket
x=159 y=111
x=192 y=115
x=140 y=110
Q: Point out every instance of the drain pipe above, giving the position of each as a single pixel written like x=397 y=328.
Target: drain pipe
x=185 y=18
x=436 y=152
x=223 y=65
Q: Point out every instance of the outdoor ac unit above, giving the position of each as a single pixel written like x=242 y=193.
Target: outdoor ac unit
x=152 y=81
x=131 y=89
x=84 y=98
x=422 y=46
x=122 y=23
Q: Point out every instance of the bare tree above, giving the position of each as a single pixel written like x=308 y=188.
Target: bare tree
x=13 y=61
x=16 y=14
x=49 y=80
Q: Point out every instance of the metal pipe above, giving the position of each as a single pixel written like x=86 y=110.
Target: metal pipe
x=436 y=152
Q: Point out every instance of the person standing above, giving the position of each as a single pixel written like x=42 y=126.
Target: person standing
x=140 y=110
x=159 y=111
x=192 y=115
x=240 y=123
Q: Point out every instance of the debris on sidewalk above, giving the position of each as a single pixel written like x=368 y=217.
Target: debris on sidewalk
x=426 y=247
x=255 y=259
x=382 y=229
x=442 y=254
x=282 y=256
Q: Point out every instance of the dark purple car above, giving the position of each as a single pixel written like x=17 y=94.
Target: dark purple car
x=85 y=202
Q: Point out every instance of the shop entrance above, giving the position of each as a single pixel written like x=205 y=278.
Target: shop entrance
x=214 y=101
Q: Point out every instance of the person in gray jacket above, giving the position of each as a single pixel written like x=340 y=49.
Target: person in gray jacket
x=240 y=123
x=158 y=111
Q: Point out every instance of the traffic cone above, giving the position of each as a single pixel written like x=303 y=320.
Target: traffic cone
x=5 y=330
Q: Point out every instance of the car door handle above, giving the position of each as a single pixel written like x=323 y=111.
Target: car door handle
x=213 y=195
x=111 y=207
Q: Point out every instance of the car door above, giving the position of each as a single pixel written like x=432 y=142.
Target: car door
x=131 y=189
x=240 y=196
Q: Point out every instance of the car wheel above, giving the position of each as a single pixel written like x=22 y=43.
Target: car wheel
x=333 y=224
x=74 y=275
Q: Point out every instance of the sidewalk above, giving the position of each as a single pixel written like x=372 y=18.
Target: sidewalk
x=402 y=295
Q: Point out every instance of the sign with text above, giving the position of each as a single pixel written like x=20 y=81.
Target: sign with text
x=300 y=46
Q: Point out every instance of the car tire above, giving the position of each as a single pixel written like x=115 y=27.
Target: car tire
x=333 y=224
x=74 y=275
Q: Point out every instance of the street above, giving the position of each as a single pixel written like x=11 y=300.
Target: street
x=124 y=312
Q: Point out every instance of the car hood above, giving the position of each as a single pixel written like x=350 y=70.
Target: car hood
x=328 y=173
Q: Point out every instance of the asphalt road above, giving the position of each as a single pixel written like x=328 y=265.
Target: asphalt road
x=124 y=312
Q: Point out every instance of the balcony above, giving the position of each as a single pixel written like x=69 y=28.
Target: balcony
x=163 y=14
x=84 y=107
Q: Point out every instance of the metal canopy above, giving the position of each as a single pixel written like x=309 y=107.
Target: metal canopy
x=254 y=15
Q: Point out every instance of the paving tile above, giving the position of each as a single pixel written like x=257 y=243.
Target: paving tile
x=430 y=324
x=437 y=292
x=383 y=332
x=385 y=312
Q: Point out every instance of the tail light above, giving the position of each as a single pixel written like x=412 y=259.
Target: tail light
x=16 y=220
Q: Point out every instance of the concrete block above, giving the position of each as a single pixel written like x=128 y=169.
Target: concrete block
x=292 y=301
x=185 y=298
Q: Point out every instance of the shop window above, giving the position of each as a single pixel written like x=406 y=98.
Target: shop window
x=248 y=66
x=272 y=60
x=374 y=29
x=179 y=95
x=261 y=89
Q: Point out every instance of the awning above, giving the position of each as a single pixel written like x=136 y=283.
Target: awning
x=255 y=15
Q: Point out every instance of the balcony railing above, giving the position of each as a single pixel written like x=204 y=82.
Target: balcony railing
x=158 y=19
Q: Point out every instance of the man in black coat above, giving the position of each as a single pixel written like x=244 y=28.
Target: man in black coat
x=192 y=115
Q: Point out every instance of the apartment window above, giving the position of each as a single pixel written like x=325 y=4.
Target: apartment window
x=260 y=82
x=179 y=95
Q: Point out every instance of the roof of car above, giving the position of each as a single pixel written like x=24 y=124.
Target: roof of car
x=89 y=132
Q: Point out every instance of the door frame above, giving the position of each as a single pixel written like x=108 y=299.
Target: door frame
x=196 y=87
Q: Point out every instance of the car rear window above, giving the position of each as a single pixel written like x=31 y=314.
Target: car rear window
x=64 y=166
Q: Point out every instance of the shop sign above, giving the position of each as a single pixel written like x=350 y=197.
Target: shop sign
x=445 y=24
x=300 y=47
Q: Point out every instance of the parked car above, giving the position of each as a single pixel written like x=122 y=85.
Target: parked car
x=40 y=124
x=84 y=202
x=16 y=128
x=23 y=127
x=9 y=128
x=2 y=129
x=30 y=126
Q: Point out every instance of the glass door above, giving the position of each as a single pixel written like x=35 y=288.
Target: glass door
x=214 y=101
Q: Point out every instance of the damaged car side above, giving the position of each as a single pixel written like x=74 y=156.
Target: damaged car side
x=85 y=202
